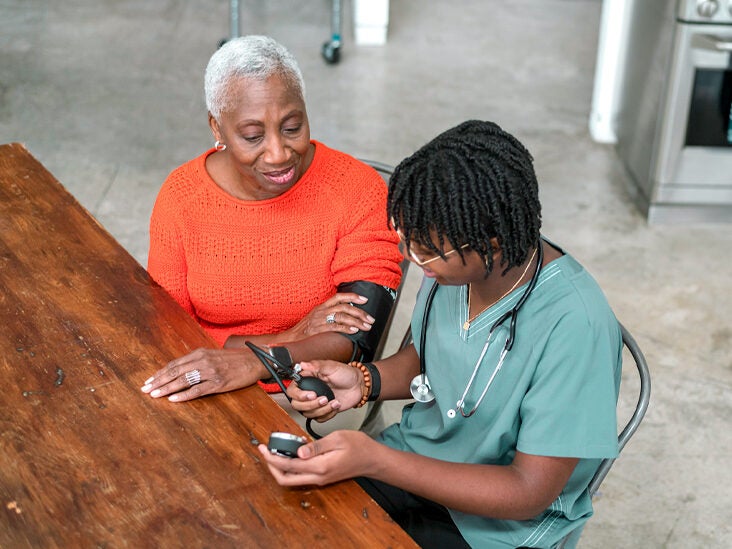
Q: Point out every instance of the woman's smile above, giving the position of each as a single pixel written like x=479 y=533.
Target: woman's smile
x=280 y=177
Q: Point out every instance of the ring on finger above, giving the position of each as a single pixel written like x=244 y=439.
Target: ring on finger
x=330 y=319
x=193 y=377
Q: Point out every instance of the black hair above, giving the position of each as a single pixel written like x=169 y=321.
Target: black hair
x=471 y=183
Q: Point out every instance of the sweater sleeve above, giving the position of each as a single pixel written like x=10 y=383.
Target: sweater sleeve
x=367 y=246
x=166 y=258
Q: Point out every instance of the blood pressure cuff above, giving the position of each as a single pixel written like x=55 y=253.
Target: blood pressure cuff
x=379 y=305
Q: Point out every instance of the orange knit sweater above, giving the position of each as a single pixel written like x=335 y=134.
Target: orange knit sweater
x=257 y=267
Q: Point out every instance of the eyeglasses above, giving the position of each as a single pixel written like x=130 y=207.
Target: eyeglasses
x=413 y=256
x=422 y=263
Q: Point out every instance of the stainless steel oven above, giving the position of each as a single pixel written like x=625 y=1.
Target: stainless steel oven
x=674 y=125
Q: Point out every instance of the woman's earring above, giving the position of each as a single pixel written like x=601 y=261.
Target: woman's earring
x=219 y=146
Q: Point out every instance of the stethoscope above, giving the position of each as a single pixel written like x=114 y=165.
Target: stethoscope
x=420 y=386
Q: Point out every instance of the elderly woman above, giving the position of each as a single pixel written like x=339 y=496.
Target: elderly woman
x=269 y=236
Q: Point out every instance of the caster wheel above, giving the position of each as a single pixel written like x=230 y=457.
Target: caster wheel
x=331 y=52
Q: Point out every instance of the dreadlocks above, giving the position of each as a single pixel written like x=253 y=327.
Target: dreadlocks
x=471 y=183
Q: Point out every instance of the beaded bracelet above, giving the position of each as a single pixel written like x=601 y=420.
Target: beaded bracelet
x=366 y=382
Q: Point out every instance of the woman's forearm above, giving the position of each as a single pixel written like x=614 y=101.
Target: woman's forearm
x=330 y=345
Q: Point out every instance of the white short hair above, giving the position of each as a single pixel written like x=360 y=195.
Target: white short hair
x=251 y=56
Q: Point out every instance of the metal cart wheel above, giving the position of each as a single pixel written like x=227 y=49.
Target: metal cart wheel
x=331 y=50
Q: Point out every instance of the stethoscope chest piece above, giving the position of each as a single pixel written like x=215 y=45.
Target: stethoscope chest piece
x=420 y=389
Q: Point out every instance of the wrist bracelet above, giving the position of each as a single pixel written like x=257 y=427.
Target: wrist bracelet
x=375 y=381
x=366 y=391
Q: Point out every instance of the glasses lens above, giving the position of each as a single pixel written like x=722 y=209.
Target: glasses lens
x=409 y=254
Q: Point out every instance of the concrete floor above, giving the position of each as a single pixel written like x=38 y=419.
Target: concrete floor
x=108 y=96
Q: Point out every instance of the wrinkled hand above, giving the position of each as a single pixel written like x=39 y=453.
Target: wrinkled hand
x=338 y=456
x=345 y=318
x=345 y=381
x=220 y=370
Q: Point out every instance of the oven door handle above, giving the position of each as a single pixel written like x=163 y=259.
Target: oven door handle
x=711 y=42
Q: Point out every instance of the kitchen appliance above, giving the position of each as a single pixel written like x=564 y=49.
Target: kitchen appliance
x=673 y=125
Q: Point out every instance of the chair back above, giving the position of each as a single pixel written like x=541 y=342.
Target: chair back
x=644 y=398
x=385 y=170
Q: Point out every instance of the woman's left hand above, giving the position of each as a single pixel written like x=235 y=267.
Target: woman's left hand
x=338 y=456
x=336 y=314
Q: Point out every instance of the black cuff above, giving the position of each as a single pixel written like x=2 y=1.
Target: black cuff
x=375 y=381
x=379 y=306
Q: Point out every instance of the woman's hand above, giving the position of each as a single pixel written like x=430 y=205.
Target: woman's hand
x=338 y=456
x=218 y=371
x=337 y=314
x=345 y=381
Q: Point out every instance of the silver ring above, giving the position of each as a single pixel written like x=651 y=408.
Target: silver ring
x=193 y=377
x=330 y=319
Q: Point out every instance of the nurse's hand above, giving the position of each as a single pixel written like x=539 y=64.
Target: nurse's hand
x=345 y=381
x=204 y=372
x=338 y=456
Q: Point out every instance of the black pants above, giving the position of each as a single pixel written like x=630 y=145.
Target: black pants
x=426 y=522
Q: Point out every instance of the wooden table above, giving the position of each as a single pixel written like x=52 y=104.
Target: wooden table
x=86 y=459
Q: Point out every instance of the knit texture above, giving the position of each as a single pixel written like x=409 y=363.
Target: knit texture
x=258 y=267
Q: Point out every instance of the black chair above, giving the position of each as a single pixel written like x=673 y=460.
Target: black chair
x=371 y=410
x=385 y=170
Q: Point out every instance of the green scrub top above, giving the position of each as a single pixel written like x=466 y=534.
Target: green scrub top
x=555 y=394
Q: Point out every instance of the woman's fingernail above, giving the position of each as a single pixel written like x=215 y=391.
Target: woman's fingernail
x=363 y=299
x=323 y=401
x=371 y=319
x=353 y=329
x=145 y=388
x=335 y=405
x=173 y=398
x=155 y=393
x=149 y=381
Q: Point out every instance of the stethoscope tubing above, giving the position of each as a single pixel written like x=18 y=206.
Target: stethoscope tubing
x=512 y=314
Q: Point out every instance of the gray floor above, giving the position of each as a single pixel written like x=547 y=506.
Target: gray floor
x=108 y=95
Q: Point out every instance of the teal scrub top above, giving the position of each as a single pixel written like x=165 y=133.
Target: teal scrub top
x=555 y=394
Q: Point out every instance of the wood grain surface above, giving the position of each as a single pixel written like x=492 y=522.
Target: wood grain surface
x=86 y=459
